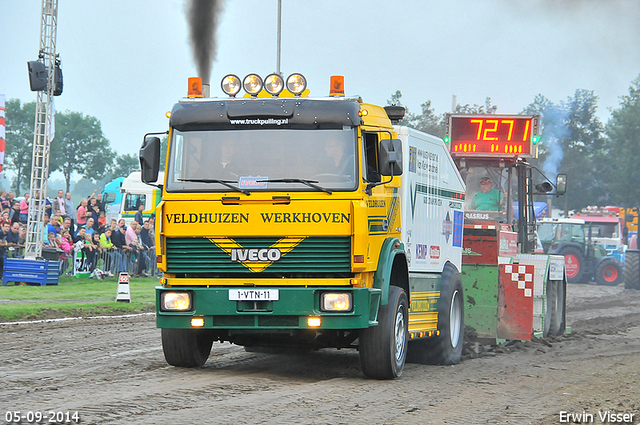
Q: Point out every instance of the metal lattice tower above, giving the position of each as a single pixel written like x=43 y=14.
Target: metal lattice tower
x=43 y=132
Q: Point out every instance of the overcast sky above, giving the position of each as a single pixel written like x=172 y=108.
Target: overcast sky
x=127 y=62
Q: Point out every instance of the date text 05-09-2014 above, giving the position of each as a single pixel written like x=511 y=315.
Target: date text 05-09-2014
x=50 y=416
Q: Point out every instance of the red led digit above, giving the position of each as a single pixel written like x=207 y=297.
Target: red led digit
x=479 y=128
x=510 y=122
x=526 y=130
x=492 y=130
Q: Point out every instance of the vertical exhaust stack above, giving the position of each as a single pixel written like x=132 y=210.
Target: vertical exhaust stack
x=203 y=17
x=206 y=90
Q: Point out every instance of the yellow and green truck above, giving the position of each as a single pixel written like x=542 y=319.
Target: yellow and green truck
x=290 y=221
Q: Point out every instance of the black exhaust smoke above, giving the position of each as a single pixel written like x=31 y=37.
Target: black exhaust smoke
x=203 y=17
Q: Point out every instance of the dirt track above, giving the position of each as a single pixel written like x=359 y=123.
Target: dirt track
x=112 y=371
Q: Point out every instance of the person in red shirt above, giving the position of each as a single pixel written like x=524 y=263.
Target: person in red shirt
x=102 y=222
x=82 y=214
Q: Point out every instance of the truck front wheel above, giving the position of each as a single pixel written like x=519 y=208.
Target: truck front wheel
x=186 y=347
x=446 y=348
x=383 y=348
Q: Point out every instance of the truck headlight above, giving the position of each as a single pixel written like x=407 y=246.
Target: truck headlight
x=175 y=301
x=340 y=301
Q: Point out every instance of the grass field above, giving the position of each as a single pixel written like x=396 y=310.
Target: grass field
x=74 y=297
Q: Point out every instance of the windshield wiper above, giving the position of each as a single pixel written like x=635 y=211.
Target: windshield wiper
x=222 y=182
x=309 y=183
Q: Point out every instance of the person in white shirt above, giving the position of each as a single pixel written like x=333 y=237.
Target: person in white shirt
x=59 y=206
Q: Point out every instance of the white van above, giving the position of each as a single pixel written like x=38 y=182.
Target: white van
x=135 y=192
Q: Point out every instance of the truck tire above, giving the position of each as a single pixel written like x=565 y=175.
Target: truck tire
x=631 y=272
x=445 y=348
x=383 y=348
x=186 y=347
x=609 y=273
x=557 y=326
x=574 y=264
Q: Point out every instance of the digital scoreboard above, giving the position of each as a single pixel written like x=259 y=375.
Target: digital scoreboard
x=490 y=135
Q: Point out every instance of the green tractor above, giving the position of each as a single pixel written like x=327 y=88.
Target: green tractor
x=584 y=260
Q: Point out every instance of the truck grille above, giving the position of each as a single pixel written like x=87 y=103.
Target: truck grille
x=311 y=257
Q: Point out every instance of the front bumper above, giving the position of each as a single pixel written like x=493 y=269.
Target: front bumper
x=291 y=311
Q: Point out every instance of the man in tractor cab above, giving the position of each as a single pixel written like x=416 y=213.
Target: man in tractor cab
x=487 y=199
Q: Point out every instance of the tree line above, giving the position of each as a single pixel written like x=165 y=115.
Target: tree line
x=602 y=161
x=79 y=146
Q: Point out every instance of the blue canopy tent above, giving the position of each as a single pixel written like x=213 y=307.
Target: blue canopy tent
x=541 y=209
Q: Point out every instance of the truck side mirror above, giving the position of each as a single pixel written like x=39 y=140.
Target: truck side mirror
x=150 y=159
x=561 y=184
x=390 y=157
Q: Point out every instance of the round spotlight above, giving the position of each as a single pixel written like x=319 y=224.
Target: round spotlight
x=252 y=84
x=296 y=84
x=231 y=85
x=274 y=84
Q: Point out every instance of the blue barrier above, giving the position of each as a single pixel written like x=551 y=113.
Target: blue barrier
x=43 y=272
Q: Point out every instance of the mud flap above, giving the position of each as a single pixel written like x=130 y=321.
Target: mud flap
x=515 y=301
x=374 y=305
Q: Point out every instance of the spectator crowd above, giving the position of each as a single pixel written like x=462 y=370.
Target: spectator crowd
x=81 y=232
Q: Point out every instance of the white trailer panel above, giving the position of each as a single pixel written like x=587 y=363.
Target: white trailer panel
x=432 y=203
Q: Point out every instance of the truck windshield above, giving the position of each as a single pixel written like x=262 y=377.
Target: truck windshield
x=604 y=230
x=108 y=197
x=546 y=232
x=566 y=232
x=488 y=192
x=210 y=161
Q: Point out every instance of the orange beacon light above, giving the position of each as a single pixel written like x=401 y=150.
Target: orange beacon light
x=195 y=87
x=337 y=85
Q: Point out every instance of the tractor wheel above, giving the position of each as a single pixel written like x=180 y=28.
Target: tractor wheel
x=574 y=264
x=550 y=302
x=445 y=348
x=383 y=348
x=609 y=272
x=557 y=325
x=631 y=272
x=186 y=347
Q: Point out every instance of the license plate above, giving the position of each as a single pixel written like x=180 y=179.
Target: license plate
x=253 y=294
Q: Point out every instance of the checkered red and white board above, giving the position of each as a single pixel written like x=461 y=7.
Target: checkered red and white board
x=515 y=301
x=523 y=275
